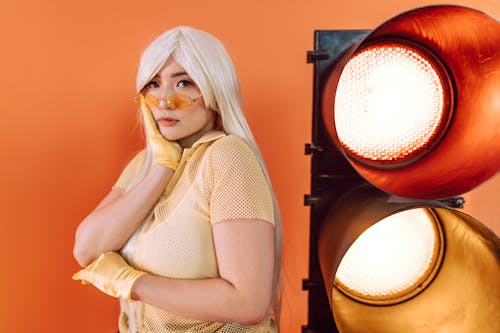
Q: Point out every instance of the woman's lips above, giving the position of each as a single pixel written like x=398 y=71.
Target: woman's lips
x=167 y=122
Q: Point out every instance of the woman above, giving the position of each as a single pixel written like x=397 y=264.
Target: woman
x=189 y=236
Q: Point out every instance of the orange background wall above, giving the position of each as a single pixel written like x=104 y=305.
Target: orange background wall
x=67 y=127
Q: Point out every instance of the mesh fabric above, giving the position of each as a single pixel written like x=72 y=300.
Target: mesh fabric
x=218 y=179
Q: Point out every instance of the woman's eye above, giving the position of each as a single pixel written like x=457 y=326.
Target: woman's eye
x=184 y=83
x=152 y=85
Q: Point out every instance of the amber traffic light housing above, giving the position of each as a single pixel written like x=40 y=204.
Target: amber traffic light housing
x=393 y=265
x=405 y=119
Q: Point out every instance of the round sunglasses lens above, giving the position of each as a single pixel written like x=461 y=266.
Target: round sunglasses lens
x=151 y=101
x=179 y=101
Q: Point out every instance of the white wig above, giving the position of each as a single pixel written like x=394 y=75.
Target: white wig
x=207 y=62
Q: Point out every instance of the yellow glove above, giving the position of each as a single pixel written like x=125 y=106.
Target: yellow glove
x=166 y=153
x=111 y=274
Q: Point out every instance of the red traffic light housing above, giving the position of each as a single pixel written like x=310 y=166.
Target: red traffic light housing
x=454 y=145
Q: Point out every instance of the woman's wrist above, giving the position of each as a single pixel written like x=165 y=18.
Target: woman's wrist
x=161 y=173
x=135 y=292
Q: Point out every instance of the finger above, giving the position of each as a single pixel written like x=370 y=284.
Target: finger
x=80 y=275
x=147 y=115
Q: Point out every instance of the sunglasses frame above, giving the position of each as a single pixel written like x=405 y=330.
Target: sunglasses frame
x=175 y=100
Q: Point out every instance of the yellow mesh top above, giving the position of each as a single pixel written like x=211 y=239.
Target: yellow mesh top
x=218 y=179
x=131 y=170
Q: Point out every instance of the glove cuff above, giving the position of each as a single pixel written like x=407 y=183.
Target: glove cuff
x=126 y=280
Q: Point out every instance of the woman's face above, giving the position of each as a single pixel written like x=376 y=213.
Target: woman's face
x=184 y=122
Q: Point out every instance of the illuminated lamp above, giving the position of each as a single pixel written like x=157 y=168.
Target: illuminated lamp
x=408 y=266
x=416 y=106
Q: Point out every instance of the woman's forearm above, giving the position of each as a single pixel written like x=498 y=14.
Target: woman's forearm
x=112 y=223
x=242 y=294
x=214 y=300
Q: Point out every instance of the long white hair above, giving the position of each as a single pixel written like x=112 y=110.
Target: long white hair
x=207 y=62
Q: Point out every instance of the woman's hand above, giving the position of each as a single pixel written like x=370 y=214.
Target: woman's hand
x=111 y=274
x=166 y=153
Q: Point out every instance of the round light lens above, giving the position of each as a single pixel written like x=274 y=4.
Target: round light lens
x=389 y=103
x=393 y=259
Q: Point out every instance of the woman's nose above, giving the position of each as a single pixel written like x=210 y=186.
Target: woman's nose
x=164 y=101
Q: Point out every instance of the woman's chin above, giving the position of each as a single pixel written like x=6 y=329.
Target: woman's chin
x=168 y=135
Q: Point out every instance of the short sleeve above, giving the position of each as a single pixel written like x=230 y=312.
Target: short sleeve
x=131 y=170
x=239 y=189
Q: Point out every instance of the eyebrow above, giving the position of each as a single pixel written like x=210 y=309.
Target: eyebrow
x=176 y=74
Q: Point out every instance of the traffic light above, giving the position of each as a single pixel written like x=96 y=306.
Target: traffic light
x=405 y=119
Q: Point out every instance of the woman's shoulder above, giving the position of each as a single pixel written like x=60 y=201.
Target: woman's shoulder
x=131 y=169
x=231 y=151
x=138 y=158
x=230 y=143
